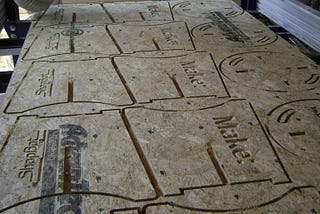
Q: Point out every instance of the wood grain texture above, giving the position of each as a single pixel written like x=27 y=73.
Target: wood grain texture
x=159 y=107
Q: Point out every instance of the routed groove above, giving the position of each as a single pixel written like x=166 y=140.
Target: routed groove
x=217 y=69
x=313 y=79
x=174 y=80
x=216 y=164
x=172 y=16
x=226 y=210
x=142 y=157
x=242 y=71
x=297 y=133
x=67 y=170
x=114 y=40
x=41 y=159
x=303 y=67
x=142 y=16
x=190 y=37
x=133 y=99
x=72 y=45
x=70 y=91
x=108 y=14
x=39 y=169
x=156 y=44
x=288 y=114
x=74 y=17
x=132 y=209
x=267 y=136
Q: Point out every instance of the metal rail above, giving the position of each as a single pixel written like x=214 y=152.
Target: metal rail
x=299 y=19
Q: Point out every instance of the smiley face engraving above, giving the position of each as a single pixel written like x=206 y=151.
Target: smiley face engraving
x=270 y=71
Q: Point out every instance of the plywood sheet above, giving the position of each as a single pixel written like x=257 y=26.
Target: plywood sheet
x=159 y=107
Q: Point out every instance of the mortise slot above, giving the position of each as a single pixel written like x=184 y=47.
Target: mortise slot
x=293 y=134
x=72 y=45
x=142 y=157
x=70 y=91
x=74 y=17
x=174 y=80
x=114 y=40
x=67 y=170
x=133 y=99
x=216 y=164
x=302 y=67
x=156 y=44
x=142 y=16
x=242 y=71
x=108 y=14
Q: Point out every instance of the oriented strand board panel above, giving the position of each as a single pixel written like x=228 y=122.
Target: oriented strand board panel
x=159 y=107
x=151 y=36
x=189 y=75
x=144 y=11
x=60 y=82
x=80 y=13
x=299 y=75
x=66 y=41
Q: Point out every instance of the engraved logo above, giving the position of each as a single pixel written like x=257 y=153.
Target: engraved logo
x=72 y=32
x=45 y=83
x=63 y=171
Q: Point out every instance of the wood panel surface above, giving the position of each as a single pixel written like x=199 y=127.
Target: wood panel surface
x=159 y=107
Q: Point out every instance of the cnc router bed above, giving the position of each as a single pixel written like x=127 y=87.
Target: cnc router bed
x=159 y=107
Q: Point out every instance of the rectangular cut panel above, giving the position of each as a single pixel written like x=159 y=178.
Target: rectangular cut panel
x=178 y=106
x=187 y=75
x=69 y=42
x=45 y=156
x=217 y=145
x=151 y=36
x=48 y=84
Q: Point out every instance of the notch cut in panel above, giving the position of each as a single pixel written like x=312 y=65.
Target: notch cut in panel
x=135 y=37
x=177 y=145
x=188 y=75
x=94 y=81
x=62 y=43
x=45 y=156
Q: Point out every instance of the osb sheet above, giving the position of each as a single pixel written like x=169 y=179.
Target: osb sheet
x=159 y=107
x=188 y=75
x=61 y=83
x=151 y=36
x=81 y=13
x=63 y=42
x=135 y=12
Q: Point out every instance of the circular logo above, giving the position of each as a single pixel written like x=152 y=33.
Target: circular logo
x=72 y=32
x=201 y=9
x=295 y=126
x=232 y=32
x=271 y=71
